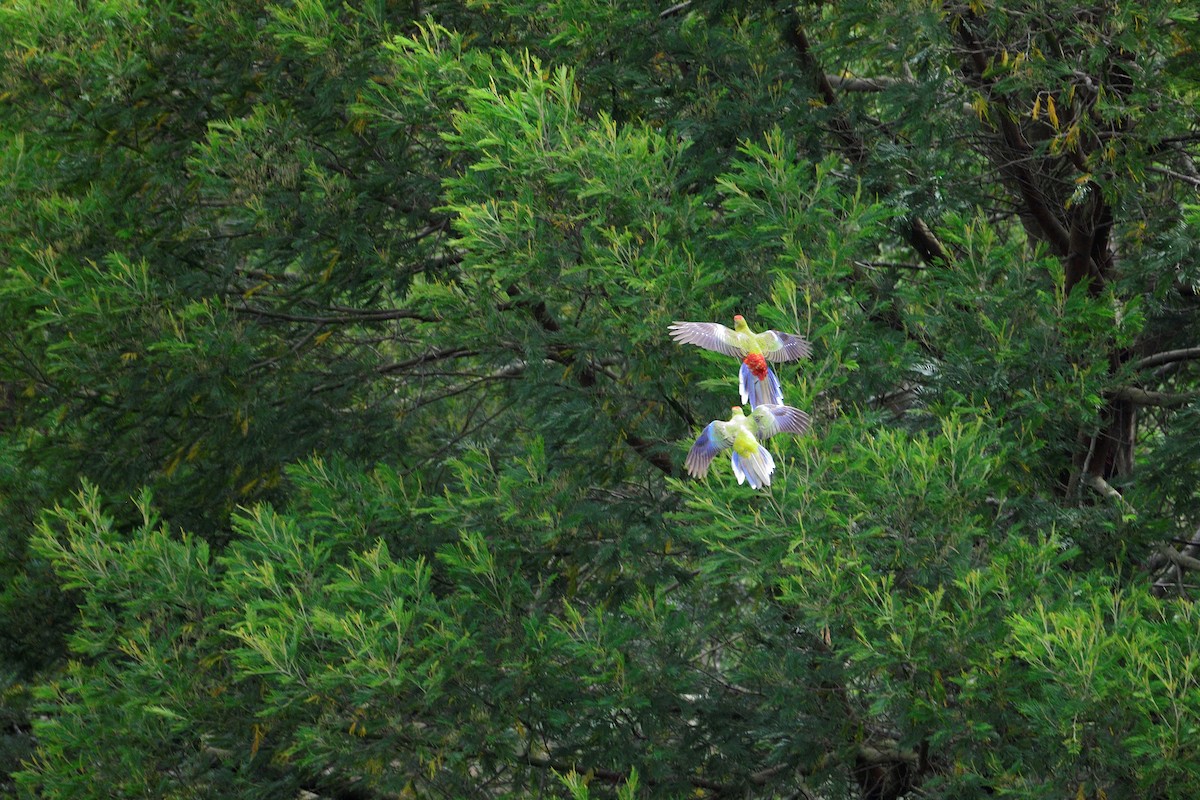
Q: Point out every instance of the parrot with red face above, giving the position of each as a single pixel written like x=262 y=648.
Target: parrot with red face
x=756 y=381
x=752 y=463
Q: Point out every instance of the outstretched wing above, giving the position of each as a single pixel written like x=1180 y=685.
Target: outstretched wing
x=715 y=438
x=709 y=335
x=779 y=346
x=770 y=419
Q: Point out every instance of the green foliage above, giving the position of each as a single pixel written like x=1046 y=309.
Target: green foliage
x=341 y=435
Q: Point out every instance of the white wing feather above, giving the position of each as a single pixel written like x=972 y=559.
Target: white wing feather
x=769 y=419
x=779 y=346
x=709 y=335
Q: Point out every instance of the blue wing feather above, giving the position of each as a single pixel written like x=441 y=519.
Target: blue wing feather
x=707 y=445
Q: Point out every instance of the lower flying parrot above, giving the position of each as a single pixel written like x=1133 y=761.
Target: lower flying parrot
x=751 y=461
x=757 y=382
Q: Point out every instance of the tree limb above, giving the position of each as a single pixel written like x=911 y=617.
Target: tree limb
x=345 y=315
x=846 y=83
x=1167 y=357
x=919 y=235
x=435 y=354
x=1053 y=231
x=661 y=461
x=675 y=9
x=1170 y=173
x=1105 y=488
x=1167 y=564
x=1143 y=397
x=1179 y=559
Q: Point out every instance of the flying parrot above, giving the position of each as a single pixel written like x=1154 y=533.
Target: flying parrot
x=751 y=461
x=757 y=382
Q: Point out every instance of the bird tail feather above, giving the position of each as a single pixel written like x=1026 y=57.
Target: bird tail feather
x=757 y=392
x=755 y=468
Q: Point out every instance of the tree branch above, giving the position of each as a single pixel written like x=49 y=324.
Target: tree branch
x=1167 y=357
x=661 y=461
x=1105 y=488
x=675 y=9
x=1179 y=559
x=920 y=237
x=425 y=358
x=345 y=316
x=846 y=83
x=1170 y=173
x=504 y=373
x=1053 y=231
x=1167 y=564
x=1143 y=397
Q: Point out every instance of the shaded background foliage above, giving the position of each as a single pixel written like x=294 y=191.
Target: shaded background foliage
x=342 y=439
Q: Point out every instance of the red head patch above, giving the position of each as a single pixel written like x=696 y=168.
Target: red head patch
x=757 y=365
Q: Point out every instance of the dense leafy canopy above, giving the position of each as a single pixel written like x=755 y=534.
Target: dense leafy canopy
x=342 y=439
